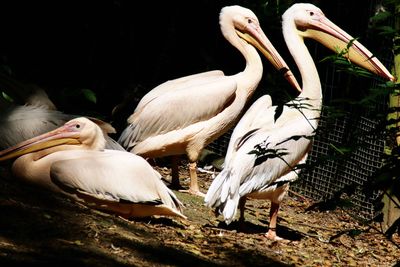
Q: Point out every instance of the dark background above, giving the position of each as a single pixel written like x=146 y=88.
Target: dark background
x=122 y=49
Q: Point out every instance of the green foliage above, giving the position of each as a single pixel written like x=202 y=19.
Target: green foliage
x=79 y=93
x=341 y=150
x=7 y=97
x=381 y=21
x=381 y=17
x=387 y=177
x=386 y=30
x=89 y=95
x=342 y=62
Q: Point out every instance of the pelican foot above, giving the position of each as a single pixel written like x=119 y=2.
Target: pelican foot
x=193 y=192
x=271 y=235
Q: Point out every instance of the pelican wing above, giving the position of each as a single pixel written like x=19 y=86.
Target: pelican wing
x=19 y=123
x=114 y=176
x=248 y=172
x=178 y=109
x=279 y=146
x=251 y=120
x=179 y=83
x=112 y=144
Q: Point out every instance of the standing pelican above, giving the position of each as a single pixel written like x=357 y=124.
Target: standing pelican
x=265 y=146
x=184 y=115
x=72 y=160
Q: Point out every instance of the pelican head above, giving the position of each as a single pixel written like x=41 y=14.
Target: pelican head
x=246 y=27
x=311 y=22
x=79 y=133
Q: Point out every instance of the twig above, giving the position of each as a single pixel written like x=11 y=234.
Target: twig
x=299 y=196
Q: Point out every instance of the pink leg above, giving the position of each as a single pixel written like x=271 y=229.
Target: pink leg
x=194 y=186
x=273 y=216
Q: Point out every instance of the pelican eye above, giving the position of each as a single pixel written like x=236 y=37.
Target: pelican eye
x=311 y=13
x=249 y=21
x=77 y=126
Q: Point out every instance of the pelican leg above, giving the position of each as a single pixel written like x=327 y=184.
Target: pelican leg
x=175 y=183
x=194 y=186
x=273 y=216
x=242 y=204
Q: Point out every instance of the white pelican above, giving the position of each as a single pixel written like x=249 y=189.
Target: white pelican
x=184 y=115
x=267 y=176
x=72 y=160
x=36 y=115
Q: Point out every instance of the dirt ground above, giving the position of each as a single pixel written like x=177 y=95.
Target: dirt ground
x=39 y=228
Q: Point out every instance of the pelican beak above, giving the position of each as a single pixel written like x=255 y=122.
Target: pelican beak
x=257 y=38
x=59 y=136
x=334 y=38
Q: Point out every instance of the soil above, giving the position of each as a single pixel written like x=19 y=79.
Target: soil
x=40 y=228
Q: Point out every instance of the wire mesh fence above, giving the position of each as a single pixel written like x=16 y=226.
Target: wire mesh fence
x=331 y=177
x=344 y=179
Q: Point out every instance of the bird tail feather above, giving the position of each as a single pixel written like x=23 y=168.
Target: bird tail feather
x=230 y=209
x=213 y=196
x=223 y=195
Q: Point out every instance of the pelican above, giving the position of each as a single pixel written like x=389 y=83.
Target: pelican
x=36 y=115
x=264 y=150
x=72 y=160
x=184 y=115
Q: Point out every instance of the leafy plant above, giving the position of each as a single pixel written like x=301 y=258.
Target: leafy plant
x=343 y=63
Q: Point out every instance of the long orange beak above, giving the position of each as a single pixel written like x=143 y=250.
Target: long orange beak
x=257 y=38
x=63 y=135
x=333 y=37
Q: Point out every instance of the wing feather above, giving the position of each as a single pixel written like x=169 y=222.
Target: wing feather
x=245 y=173
x=113 y=175
x=178 y=109
x=19 y=123
x=258 y=115
x=179 y=83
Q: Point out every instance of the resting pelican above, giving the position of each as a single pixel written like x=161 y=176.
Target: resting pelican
x=72 y=160
x=184 y=115
x=281 y=142
x=36 y=114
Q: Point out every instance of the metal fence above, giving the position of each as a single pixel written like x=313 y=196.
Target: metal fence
x=342 y=180
x=331 y=177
